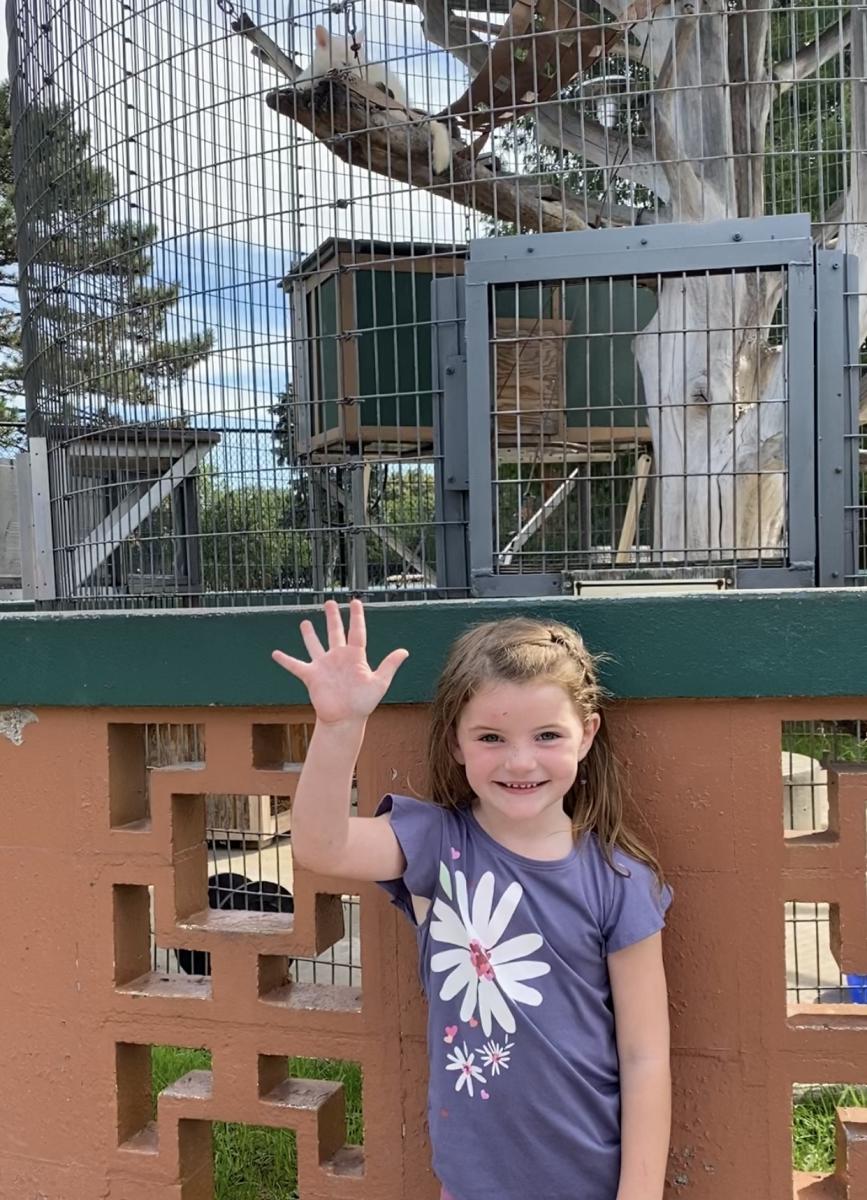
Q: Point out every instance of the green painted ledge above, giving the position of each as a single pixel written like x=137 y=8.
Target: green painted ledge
x=781 y=643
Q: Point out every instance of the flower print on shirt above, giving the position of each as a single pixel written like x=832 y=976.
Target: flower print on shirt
x=463 y=1062
x=496 y=1057
x=488 y=970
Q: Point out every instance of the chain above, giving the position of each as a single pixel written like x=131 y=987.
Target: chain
x=228 y=8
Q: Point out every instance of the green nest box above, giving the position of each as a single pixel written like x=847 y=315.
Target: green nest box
x=362 y=329
x=564 y=380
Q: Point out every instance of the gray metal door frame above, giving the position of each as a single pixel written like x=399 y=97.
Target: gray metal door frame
x=837 y=432
x=784 y=243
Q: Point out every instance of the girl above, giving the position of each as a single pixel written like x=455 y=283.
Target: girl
x=538 y=914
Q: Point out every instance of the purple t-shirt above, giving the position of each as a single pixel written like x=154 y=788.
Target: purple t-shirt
x=524 y=1095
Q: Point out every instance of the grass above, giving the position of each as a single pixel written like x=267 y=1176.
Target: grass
x=813 y=1140
x=253 y=1162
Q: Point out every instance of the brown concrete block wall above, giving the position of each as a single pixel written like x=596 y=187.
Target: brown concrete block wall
x=87 y=830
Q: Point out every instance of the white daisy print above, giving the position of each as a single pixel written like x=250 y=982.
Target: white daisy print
x=487 y=969
x=463 y=1063
x=496 y=1057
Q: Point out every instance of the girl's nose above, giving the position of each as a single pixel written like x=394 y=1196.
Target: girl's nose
x=521 y=758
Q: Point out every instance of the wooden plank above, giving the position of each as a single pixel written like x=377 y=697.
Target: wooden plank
x=633 y=508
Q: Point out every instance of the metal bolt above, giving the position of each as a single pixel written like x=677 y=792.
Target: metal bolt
x=644 y=241
x=450 y=370
x=737 y=237
x=530 y=249
x=838 y=470
x=450 y=479
x=835 y=266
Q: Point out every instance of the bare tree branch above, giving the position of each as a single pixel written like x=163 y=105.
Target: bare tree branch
x=360 y=125
x=686 y=189
x=265 y=48
x=814 y=55
x=560 y=126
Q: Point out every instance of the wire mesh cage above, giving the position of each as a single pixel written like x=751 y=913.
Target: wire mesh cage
x=231 y=229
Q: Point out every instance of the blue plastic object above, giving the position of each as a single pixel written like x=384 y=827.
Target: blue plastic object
x=858 y=984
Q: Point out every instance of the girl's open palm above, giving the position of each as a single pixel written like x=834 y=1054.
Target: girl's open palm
x=340 y=682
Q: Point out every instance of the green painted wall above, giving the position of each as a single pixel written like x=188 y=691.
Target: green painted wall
x=787 y=643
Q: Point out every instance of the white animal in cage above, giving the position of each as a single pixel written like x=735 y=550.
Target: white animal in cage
x=346 y=55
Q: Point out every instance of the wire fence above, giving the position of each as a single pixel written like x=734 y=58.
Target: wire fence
x=231 y=228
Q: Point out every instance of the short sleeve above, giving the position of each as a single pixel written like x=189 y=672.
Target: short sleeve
x=636 y=905
x=418 y=826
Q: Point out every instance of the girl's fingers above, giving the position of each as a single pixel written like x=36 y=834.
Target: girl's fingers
x=357 y=625
x=311 y=640
x=388 y=668
x=293 y=665
x=334 y=621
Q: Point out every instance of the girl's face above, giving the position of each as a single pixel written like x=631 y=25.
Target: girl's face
x=520 y=745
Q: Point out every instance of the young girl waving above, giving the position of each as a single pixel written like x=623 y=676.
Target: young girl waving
x=538 y=914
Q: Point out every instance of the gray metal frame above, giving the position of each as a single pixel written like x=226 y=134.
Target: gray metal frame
x=837 y=468
x=771 y=242
x=452 y=470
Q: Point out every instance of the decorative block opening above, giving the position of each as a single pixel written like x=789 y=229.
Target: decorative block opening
x=331 y=980
x=219 y=884
x=281 y=747
x=172 y=1064
x=172 y=745
x=141 y=967
x=812 y=973
x=808 y=749
x=829 y=1136
x=340 y=964
x=128 y=801
x=133 y=750
x=331 y=1090
x=143 y=1072
x=242 y=824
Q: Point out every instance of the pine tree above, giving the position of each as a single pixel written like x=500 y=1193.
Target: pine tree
x=87 y=268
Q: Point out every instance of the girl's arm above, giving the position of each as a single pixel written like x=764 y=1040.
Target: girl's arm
x=344 y=691
x=641 y=1016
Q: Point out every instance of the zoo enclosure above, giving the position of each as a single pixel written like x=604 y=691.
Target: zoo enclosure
x=196 y=440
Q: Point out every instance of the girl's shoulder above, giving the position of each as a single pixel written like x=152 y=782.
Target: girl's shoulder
x=631 y=903
x=422 y=829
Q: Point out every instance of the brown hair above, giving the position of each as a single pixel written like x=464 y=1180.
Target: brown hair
x=520 y=650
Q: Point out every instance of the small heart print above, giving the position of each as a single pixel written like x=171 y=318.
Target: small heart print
x=451 y=1034
x=485 y=1095
x=455 y=854
x=444 y=1112
x=473 y=1022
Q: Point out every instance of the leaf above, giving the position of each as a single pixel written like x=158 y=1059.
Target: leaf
x=445 y=880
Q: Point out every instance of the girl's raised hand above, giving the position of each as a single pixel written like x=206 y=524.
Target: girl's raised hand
x=341 y=685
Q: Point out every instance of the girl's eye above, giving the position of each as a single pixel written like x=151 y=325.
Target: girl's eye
x=489 y=737
x=549 y=735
